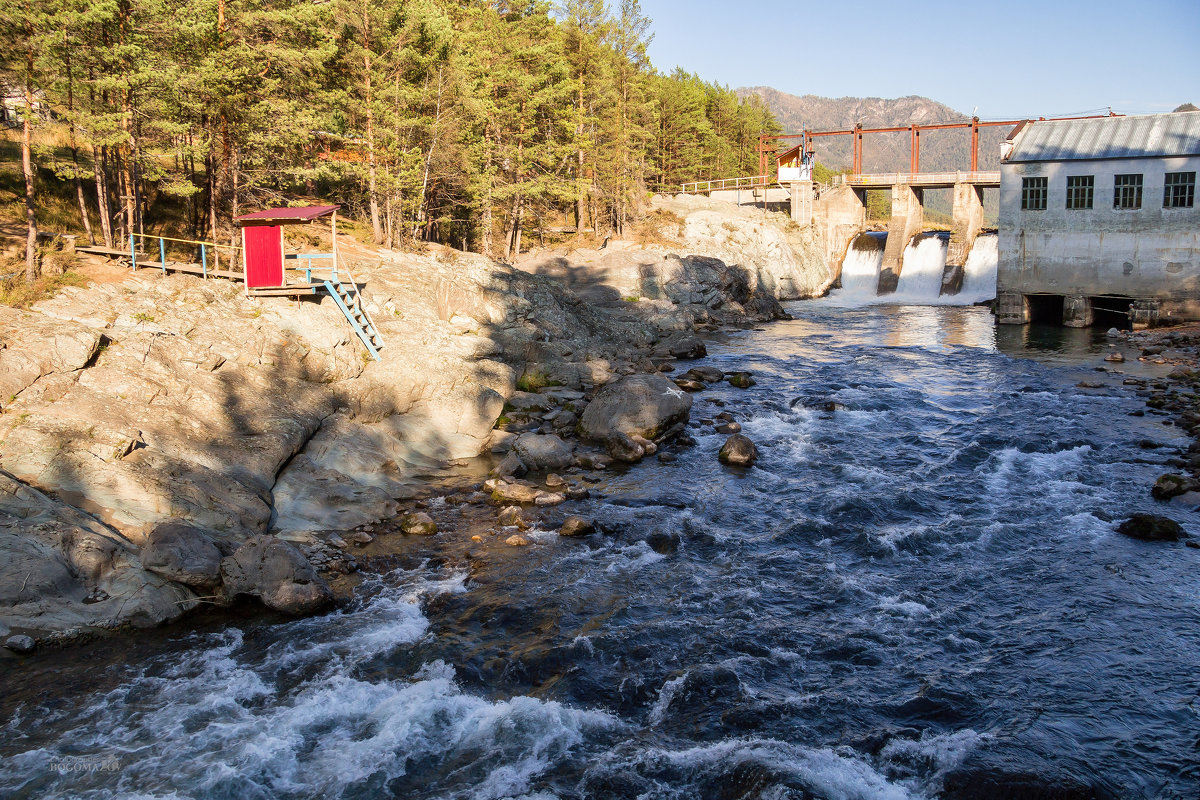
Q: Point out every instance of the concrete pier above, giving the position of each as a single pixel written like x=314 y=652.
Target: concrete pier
x=908 y=216
x=1077 y=311
x=966 y=224
x=839 y=216
x=1012 y=308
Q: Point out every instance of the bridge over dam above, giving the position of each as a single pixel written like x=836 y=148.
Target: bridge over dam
x=838 y=209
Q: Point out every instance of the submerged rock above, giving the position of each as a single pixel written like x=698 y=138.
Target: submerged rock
x=576 y=526
x=1169 y=485
x=510 y=517
x=514 y=493
x=739 y=451
x=20 y=644
x=517 y=540
x=706 y=374
x=740 y=380
x=1151 y=528
x=277 y=573
x=418 y=524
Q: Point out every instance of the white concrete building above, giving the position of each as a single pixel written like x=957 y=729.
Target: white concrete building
x=1097 y=215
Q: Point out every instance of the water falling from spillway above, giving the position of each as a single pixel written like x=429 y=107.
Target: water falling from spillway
x=979 y=274
x=921 y=275
x=860 y=270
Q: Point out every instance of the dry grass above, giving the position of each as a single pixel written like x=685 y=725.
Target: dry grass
x=659 y=227
x=16 y=293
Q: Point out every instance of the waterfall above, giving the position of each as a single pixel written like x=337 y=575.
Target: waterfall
x=860 y=270
x=921 y=275
x=979 y=274
x=923 y=265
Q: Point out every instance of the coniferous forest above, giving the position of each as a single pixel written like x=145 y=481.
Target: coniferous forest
x=467 y=122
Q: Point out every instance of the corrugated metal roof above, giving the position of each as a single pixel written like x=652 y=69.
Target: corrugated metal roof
x=285 y=215
x=1149 y=136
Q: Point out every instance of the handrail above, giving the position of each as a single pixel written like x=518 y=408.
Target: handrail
x=162 y=251
x=186 y=241
x=749 y=182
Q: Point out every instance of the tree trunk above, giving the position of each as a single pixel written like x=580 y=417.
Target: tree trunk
x=376 y=228
x=31 y=230
x=83 y=212
x=421 y=215
x=102 y=196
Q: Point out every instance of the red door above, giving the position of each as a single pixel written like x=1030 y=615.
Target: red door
x=264 y=256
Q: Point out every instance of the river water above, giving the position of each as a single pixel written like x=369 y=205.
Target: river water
x=918 y=592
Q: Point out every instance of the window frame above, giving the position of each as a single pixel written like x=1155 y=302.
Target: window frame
x=1127 y=191
x=1035 y=193
x=1187 y=183
x=1081 y=192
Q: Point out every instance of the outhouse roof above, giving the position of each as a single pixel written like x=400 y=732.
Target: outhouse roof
x=1144 y=136
x=285 y=216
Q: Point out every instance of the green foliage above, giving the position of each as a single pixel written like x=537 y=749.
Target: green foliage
x=466 y=122
x=531 y=381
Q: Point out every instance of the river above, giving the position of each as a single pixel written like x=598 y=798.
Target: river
x=918 y=592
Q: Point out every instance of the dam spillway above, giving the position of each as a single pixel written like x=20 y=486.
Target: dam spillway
x=920 y=283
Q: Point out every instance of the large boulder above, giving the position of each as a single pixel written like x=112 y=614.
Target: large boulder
x=1151 y=528
x=633 y=408
x=182 y=553
x=543 y=452
x=738 y=451
x=688 y=347
x=277 y=573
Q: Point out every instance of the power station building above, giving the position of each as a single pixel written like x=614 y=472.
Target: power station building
x=1098 y=219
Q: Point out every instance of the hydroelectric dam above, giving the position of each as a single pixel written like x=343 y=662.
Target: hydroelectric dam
x=1097 y=220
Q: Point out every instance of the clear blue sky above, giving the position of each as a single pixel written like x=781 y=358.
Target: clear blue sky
x=1011 y=59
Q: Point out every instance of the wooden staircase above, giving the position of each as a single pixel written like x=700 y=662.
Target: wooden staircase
x=345 y=294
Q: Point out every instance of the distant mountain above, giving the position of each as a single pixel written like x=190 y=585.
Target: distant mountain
x=882 y=152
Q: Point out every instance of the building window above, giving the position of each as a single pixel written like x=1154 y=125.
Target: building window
x=1080 y=191
x=1179 y=190
x=1127 y=191
x=1033 y=194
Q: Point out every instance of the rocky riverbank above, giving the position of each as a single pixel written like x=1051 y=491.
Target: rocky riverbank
x=1177 y=394
x=167 y=441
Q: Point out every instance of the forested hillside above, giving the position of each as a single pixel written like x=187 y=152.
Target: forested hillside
x=468 y=122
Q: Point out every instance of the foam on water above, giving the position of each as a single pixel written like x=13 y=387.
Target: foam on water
x=251 y=729
x=821 y=771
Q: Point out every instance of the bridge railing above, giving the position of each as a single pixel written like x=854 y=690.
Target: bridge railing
x=750 y=182
x=915 y=178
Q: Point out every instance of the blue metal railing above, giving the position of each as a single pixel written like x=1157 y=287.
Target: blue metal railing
x=162 y=250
